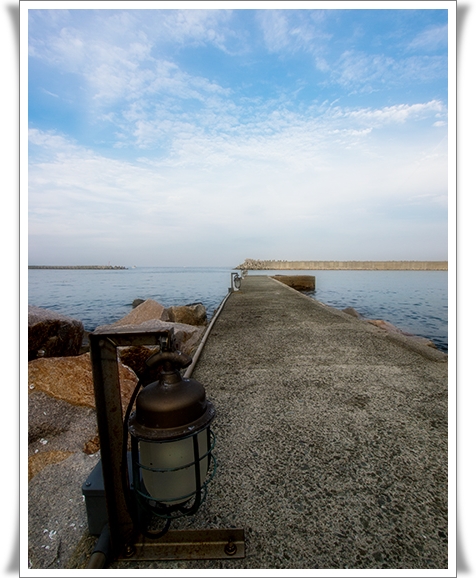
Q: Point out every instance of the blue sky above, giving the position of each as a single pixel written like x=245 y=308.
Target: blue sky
x=206 y=136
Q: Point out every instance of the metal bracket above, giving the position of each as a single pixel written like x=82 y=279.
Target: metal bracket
x=103 y=351
x=211 y=544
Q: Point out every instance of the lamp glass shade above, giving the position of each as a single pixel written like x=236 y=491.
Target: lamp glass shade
x=178 y=483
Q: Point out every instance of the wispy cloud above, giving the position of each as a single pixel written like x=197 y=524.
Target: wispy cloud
x=431 y=39
x=233 y=125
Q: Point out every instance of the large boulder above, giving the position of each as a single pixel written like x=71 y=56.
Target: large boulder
x=192 y=314
x=145 y=311
x=152 y=316
x=51 y=334
x=186 y=338
x=71 y=379
x=61 y=409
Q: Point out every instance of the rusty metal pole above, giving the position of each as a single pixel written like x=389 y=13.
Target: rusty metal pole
x=110 y=426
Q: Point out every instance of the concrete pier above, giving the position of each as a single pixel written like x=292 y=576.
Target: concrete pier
x=331 y=438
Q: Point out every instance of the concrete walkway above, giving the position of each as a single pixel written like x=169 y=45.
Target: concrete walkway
x=331 y=438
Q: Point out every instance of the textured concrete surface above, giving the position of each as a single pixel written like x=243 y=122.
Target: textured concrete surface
x=331 y=442
x=331 y=438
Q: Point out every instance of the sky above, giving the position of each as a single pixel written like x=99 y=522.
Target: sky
x=204 y=136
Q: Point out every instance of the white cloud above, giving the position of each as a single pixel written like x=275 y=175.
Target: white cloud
x=398 y=113
x=275 y=30
x=431 y=39
x=284 y=168
x=220 y=163
x=365 y=72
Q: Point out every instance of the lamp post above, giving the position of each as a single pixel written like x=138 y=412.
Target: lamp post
x=170 y=457
x=235 y=282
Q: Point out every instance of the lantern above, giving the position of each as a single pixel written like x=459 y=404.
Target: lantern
x=171 y=442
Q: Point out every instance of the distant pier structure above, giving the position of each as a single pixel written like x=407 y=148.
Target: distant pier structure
x=101 y=267
x=263 y=265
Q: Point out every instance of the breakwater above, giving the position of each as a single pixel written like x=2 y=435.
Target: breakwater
x=263 y=265
x=100 y=267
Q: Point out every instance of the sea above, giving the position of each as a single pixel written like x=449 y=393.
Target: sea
x=414 y=301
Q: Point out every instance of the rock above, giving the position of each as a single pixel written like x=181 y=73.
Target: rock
x=91 y=446
x=85 y=343
x=137 y=302
x=298 y=282
x=135 y=357
x=151 y=315
x=56 y=429
x=353 y=312
x=386 y=326
x=146 y=311
x=61 y=409
x=52 y=333
x=186 y=338
x=70 y=379
x=57 y=517
x=192 y=314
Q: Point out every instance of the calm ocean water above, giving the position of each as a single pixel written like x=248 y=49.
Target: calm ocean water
x=414 y=301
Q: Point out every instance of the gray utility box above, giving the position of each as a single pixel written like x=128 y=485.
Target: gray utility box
x=95 y=498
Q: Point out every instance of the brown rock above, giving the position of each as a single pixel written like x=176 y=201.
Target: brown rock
x=91 y=446
x=135 y=357
x=53 y=334
x=146 y=311
x=70 y=379
x=193 y=314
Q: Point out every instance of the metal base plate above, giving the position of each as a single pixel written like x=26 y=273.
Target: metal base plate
x=211 y=544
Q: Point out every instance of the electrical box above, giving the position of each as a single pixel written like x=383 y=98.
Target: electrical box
x=95 y=498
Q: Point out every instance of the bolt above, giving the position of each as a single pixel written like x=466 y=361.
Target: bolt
x=230 y=548
x=129 y=550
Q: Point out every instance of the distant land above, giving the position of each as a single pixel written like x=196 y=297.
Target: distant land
x=75 y=267
x=256 y=264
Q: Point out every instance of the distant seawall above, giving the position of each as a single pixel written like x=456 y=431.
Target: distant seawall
x=101 y=267
x=254 y=264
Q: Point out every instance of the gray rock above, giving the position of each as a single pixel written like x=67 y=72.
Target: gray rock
x=57 y=518
x=353 y=312
x=186 y=338
x=56 y=425
x=52 y=334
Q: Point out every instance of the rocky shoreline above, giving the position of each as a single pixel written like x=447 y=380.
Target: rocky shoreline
x=266 y=265
x=63 y=441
